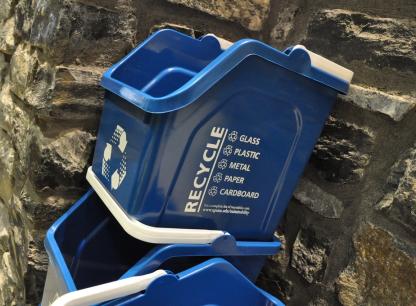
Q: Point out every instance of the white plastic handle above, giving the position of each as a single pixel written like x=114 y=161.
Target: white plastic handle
x=326 y=65
x=147 y=233
x=224 y=44
x=108 y=291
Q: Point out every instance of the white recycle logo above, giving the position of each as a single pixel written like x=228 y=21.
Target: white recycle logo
x=233 y=136
x=118 y=142
x=213 y=191
x=223 y=164
x=228 y=150
x=217 y=177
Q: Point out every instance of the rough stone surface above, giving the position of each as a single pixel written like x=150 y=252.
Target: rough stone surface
x=30 y=78
x=249 y=13
x=7 y=36
x=6 y=9
x=284 y=24
x=3 y=68
x=77 y=94
x=317 y=200
x=87 y=34
x=309 y=255
x=71 y=92
x=37 y=269
x=13 y=229
x=383 y=44
x=382 y=41
x=17 y=121
x=22 y=66
x=342 y=152
x=383 y=271
x=68 y=155
x=7 y=159
x=372 y=99
x=23 y=14
x=177 y=27
x=319 y=302
x=399 y=202
x=272 y=278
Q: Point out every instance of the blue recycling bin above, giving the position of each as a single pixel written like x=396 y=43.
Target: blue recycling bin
x=213 y=282
x=87 y=247
x=200 y=134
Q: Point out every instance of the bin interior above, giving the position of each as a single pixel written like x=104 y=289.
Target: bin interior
x=95 y=247
x=250 y=266
x=212 y=283
x=165 y=62
x=97 y=250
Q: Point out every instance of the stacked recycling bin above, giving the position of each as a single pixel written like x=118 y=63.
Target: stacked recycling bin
x=200 y=146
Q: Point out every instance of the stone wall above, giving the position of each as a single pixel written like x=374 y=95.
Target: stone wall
x=349 y=233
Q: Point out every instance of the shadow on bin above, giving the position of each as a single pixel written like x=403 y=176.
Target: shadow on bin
x=195 y=135
x=214 y=282
x=87 y=247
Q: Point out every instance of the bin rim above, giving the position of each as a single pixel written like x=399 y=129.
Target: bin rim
x=297 y=59
x=144 y=232
x=136 y=284
x=52 y=249
x=224 y=246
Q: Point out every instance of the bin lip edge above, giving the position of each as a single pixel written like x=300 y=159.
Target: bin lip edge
x=52 y=248
x=226 y=265
x=144 y=232
x=214 y=72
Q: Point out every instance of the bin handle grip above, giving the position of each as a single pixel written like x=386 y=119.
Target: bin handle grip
x=224 y=44
x=144 y=232
x=326 y=65
x=108 y=291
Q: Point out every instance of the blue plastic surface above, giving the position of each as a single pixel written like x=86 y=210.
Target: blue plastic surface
x=212 y=283
x=198 y=137
x=88 y=247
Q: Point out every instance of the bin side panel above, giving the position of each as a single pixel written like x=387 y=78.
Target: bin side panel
x=124 y=156
x=240 y=149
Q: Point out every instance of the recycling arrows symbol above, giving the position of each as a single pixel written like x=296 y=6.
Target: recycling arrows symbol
x=116 y=146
